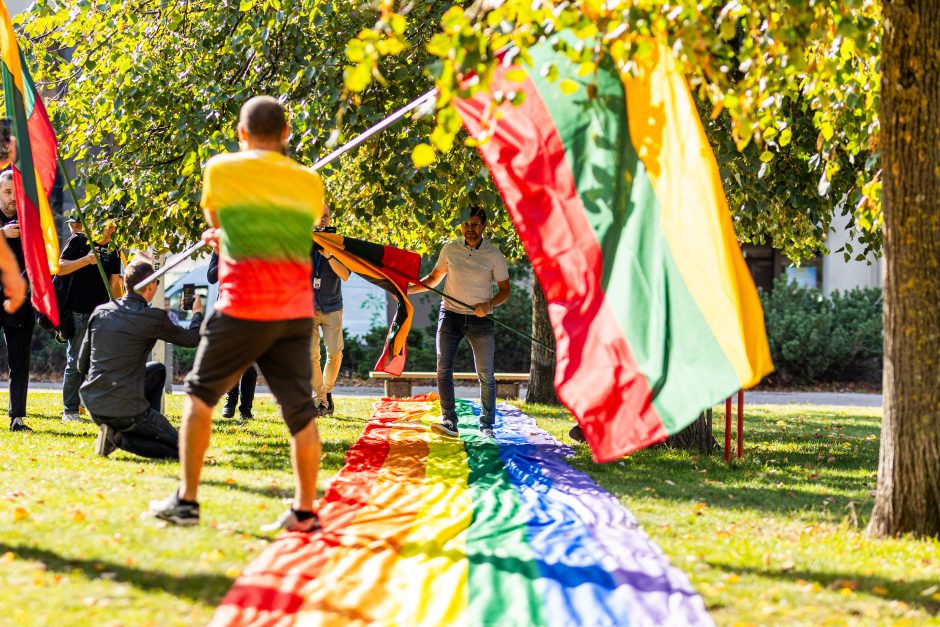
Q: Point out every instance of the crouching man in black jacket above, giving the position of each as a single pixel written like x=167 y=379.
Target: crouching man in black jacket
x=122 y=391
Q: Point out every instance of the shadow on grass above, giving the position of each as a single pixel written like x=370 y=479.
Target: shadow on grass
x=908 y=592
x=205 y=588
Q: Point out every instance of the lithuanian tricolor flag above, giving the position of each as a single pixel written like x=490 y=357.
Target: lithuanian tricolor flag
x=34 y=170
x=389 y=268
x=617 y=198
x=420 y=529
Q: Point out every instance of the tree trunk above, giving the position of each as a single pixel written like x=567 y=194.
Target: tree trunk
x=542 y=368
x=697 y=436
x=908 y=495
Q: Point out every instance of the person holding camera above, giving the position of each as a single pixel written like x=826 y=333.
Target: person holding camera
x=18 y=322
x=249 y=381
x=122 y=390
x=328 y=274
x=84 y=290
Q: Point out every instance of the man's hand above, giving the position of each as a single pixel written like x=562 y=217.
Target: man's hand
x=482 y=309
x=11 y=231
x=90 y=258
x=210 y=237
x=14 y=287
x=197 y=304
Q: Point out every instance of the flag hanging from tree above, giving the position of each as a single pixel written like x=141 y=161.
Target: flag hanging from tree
x=391 y=269
x=34 y=171
x=616 y=196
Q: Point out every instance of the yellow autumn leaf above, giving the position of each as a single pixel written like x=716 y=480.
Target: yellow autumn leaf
x=568 y=86
x=880 y=591
x=232 y=572
x=733 y=578
x=78 y=516
x=423 y=155
x=20 y=513
x=517 y=75
x=230 y=480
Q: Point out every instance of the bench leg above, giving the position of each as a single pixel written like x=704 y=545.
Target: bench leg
x=398 y=388
x=507 y=390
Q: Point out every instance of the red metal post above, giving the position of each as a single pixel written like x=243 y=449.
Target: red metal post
x=728 y=429
x=740 y=424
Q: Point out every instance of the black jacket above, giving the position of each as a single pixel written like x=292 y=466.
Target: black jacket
x=114 y=354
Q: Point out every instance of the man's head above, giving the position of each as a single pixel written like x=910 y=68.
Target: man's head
x=474 y=226
x=137 y=271
x=263 y=124
x=75 y=225
x=325 y=218
x=7 y=194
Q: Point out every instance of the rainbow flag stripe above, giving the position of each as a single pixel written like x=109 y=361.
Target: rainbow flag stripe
x=617 y=199
x=424 y=530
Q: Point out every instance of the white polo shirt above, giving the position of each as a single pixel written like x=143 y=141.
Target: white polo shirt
x=471 y=273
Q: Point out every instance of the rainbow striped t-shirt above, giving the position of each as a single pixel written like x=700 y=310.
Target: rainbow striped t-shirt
x=267 y=204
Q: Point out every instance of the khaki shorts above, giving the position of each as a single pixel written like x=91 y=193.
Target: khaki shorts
x=281 y=348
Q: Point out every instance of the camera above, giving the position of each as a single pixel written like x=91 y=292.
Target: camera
x=189 y=296
x=324 y=229
x=5 y=127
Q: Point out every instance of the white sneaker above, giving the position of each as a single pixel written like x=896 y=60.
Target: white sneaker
x=289 y=522
x=71 y=416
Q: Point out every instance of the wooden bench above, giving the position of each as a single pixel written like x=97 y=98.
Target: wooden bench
x=507 y=383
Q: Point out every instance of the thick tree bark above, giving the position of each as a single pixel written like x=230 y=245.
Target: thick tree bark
x=542 y=368
x=696 y=437
x=908 y=495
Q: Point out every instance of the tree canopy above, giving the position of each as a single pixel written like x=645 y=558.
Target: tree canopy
x=144 y=92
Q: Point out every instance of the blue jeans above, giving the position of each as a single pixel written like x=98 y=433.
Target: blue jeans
x=73 y=378
x=481 y=333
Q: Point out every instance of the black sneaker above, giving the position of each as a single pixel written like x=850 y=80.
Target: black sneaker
x=172 y=510
x=447 y=427
x=245 y=415
x=104 y=444
x=577 y=434
x=228 y=411
x=329 y=404
x=17 y=424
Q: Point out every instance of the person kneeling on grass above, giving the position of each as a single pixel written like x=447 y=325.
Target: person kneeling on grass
x=122 y=391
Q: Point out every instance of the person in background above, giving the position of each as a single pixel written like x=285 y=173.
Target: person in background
x=17 y=315
x=85 y=291
x=328 y=275
x=471 y=264
x=245 y=387
x=122 y=390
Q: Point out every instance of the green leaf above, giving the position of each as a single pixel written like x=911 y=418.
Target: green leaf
x=766 y=156
x=785 y=137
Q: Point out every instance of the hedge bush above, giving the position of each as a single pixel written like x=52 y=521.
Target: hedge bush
x=814 y=339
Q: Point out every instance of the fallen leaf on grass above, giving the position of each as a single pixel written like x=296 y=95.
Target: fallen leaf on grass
x=230 y=480
x=78 y=516
x=880 y=591
x=20 y=513
x=232 y=572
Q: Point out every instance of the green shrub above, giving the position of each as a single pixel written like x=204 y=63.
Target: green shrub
x=814 y=339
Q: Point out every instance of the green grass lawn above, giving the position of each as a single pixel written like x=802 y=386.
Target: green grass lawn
x=776 y=539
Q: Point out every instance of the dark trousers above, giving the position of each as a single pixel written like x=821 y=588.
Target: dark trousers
x=246 y=386
x=18 y=333
x=148 y=434
x=481 y=334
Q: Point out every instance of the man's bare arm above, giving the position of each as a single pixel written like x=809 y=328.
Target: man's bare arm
x=436 y=276
x=14 y=287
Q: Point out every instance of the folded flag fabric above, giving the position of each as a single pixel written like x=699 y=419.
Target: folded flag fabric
x=616 y=196
x=34 y=171
x=391 y=269
x=419 y=529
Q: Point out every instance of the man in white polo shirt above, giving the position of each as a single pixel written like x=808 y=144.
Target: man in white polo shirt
x=471 y=265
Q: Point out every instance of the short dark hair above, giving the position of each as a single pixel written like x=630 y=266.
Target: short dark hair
x=478 y=211
x=136 y=271
x=263 y=117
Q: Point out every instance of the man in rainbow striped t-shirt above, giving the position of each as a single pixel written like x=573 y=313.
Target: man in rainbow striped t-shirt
x=262 y=207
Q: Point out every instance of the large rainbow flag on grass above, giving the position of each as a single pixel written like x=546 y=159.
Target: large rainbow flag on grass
x=617 y=199
x=34 y=171
x=419 y=529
